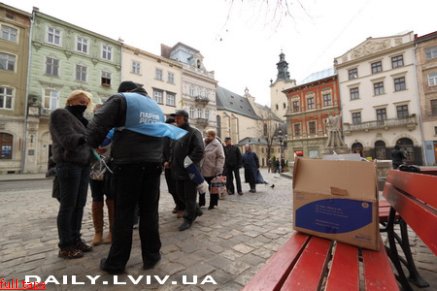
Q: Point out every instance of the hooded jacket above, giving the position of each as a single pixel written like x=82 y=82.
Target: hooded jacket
x=127 y=146
x=213 y=159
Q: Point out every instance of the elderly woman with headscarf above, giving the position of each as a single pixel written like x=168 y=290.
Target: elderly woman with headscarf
x=251 y=166
x=72 y=157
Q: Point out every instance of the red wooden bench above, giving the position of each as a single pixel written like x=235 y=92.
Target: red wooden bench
x=306 y=262
x=413 y=196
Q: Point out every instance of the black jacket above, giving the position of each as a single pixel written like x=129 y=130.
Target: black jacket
x=68 y=136
x=127 y=146
x=233 y=158
x=190 y=145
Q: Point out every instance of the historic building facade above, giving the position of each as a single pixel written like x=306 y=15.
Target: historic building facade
x=278 y=100
x=198 y=85
x=161 y=77
x=309 y=105
x=14 y=58
x=379 y=96
x=64 y=57
x=426 y=55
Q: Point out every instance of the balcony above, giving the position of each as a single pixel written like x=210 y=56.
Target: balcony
x=410 y=123
x=201 y=100
x=200 y=122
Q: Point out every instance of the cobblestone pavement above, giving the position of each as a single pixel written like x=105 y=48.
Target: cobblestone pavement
x=228 y=244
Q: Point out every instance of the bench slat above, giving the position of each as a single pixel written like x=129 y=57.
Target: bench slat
x=308 y=272
x=344 y=273
x=421 y=219
x=378 y=273
x=421 y=186
x=275 y=271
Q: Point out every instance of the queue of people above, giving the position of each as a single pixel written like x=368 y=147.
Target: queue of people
x=121 y=153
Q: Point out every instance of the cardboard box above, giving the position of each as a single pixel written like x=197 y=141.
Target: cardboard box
x=337 y=200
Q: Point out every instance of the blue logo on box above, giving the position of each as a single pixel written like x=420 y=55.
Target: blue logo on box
x=334 y=215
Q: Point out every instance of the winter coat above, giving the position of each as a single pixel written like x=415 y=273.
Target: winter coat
x=127 y=146
x=251 y=165
x=233 y=157
x=190 y=145
x=68 y=136
x=213 y=159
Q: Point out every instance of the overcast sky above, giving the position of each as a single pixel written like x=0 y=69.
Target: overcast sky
x=241 y=40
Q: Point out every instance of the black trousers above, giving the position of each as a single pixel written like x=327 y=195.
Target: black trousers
x=171 y=185
x=135 y=184
x=230 y=172
x=188 y=192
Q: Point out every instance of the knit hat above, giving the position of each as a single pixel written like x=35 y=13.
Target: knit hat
x=127 y=86
x=181 y=113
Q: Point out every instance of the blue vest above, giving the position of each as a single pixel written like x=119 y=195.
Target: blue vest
x=144 y=116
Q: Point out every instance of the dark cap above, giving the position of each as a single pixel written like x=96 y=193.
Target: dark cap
x=127 y=86
x=181 y=113
x=227 y=138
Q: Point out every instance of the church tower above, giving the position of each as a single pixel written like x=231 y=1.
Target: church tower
x=278 y=100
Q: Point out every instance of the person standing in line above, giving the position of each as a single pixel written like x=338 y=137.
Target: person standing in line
x=72 y=157
x=211 y=165
x=233 y=163
x=251 y=166
x=397 y=156
x=171 y=182
x=191 y=145
x=137 y=165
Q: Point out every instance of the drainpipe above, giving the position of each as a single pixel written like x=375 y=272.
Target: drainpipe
x=26 y=103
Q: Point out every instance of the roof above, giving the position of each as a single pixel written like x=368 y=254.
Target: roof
x=268 y=110
x=329 y=72
x=230 y=101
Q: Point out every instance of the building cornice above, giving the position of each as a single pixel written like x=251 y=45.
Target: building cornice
x=138 y=51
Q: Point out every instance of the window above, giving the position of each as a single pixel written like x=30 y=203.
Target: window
x=80 y=73
x=51 y=98
x=354 y=93
x=310 y=103
x=376 y=67
x=353 y=73
x=356 y=117
x=397 y=61
x=434 y=107
x=54 y=36
x=170 y=78
x=435 y=130
x=136 y=67
x=277 y=107
x=52 y=66
x=171 y=99
x=199 y=113
x=378 y=88
x=82 y=44
x=158 y=74
x=400 y=84
x=191 y=112
x=296 y=106
x=158 y=96
x=296 y=128
x=107 y=52
x=106 y=79
x=432 y=79
x=7 y=62
x=431 y=52
x=206 y=113
x=312 y=127
x=327 y=99
x=284 y=105
x=9 y=33
x=6 y=97
x=381 y=115
x=402 y=111
x=5 y=146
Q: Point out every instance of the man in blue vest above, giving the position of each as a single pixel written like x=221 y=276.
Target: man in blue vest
x=136 y=155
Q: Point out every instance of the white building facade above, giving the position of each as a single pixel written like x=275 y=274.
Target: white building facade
x=379 y=97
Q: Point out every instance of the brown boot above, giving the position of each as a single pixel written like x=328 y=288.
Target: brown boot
x=110 y=206
x=97 y=212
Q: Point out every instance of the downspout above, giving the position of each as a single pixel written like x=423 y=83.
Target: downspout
x=26 y=103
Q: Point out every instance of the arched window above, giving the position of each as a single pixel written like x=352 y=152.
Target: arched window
x=407 y=147
x=219 y=126
x=380 y=150
x=357 y=148
x=5 y=146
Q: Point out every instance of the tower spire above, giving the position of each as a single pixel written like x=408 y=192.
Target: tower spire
x=282 y=66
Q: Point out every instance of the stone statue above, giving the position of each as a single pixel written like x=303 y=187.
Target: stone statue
x=335 y=139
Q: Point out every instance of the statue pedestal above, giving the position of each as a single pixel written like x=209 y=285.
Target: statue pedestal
x=336 y=150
